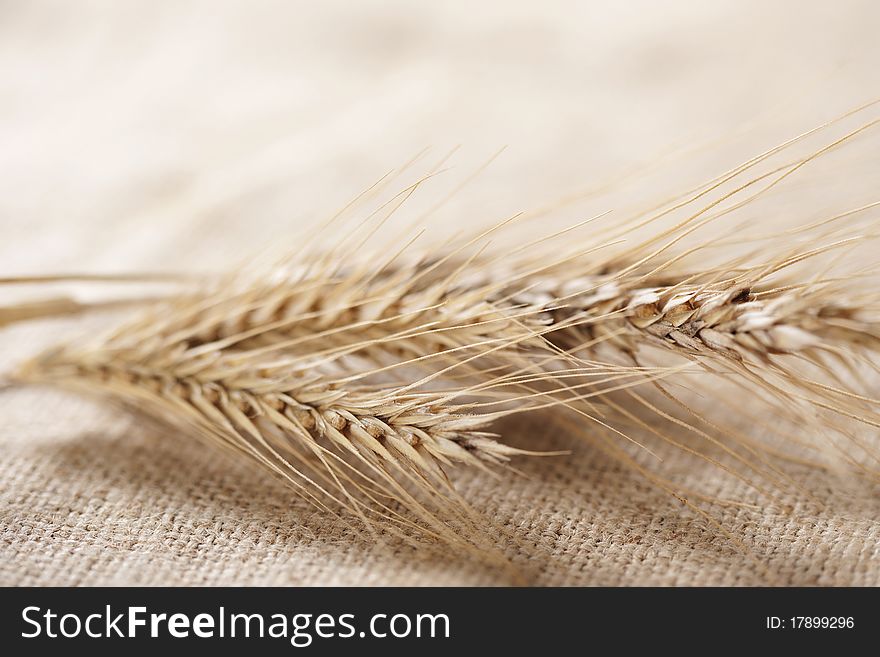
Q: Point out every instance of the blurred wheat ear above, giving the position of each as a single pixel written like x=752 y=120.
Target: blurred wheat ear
x=361 y=378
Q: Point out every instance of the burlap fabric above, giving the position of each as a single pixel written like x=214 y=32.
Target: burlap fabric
x=137 y=135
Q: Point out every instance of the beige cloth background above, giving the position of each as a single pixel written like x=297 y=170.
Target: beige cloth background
x=149 y=135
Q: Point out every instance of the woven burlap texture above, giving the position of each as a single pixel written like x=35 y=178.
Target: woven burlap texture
x=144 y=135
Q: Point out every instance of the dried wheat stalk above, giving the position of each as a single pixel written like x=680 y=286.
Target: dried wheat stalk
x=358 y=379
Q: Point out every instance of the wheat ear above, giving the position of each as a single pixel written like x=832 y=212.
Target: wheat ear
x=327 y=369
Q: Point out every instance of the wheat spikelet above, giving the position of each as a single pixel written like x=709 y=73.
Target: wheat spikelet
x=736 y=320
